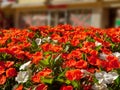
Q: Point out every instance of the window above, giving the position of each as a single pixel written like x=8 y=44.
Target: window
x=80 y=17
x=33 y=18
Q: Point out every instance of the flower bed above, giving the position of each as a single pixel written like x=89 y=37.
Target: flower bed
x=60 y=58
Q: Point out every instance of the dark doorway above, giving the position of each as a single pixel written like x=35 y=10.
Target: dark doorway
x=112 y=17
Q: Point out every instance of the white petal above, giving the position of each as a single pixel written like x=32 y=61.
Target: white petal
x=38 y=41
x=108 y=78
x=103 y=56
x=22 y=76
x=117 y=54
x=55 y=41
x=100 y=76
x=114 y=75
x=25 y=66
x=67 y=48
x=46 y=39
x=101 y=86
x=97 y=43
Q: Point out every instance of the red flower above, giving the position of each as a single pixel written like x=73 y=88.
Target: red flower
x=2 y=79
x=11 y=72
x=37 y=57
x=56 y=48
x=20 y=87
x=9 y=64
x=75 y=54
x=114 y=64
x=106 y=51
x=46 y=47
x=94 y=60
x=63 y=39
x=45 y=72
x=2 y=70
x=81 y=64
x=55 y=37
x=70 y=63
x=36 y=78
x=93 y=52
x=41 y=87
x=75 y=42
x=66 y=88
x=74 y=74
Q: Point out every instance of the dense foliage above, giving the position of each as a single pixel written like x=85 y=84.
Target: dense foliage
x=60 y=58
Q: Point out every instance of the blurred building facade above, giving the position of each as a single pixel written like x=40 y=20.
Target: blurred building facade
x=23 y=13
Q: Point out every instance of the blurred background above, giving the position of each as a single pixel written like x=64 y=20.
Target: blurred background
x=24 y=13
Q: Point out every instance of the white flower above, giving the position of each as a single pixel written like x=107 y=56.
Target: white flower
x=25 y=66
x=117 y=54
x=46 y=39
x=97 y=43
x=55 y=41
x=23 y=76
x=101 y=86
x=67 y=48
x=106 y=78
x=38 y=41
x=85 y=72
x=103 y=56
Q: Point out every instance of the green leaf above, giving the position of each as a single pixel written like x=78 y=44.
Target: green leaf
x=75 y=84
x=112 y=45
x=80 y=45
x=8 y=41
x=117 y=81
x=28 y=84
x=95 y=80
x=62 y=74
x=46 y=53
x=34 y=44
x=60 y=80
x=46 y=62
x=98 y=47
x=4 y=55
x=97 y=34
x=57 y=58
x=84 y=56
x=47 y=80
x=109 y=88
x=67 y=81
x=37 y=34
x=90 y=39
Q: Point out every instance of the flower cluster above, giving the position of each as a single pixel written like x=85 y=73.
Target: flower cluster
x=60 y=58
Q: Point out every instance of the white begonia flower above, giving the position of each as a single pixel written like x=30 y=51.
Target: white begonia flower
x=101 y=86
x=25 y=66
x=117 y=54
x=97 y=43
x=85 y=72
x=103 y=56
x=55 y=41
x=38 y=41
x=106 y=78
x=46 y=39
x=67 y=48
x=23 y=76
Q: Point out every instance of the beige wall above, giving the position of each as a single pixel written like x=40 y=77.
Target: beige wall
x=97 y=18
x=29 y=1
x=35 y=1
